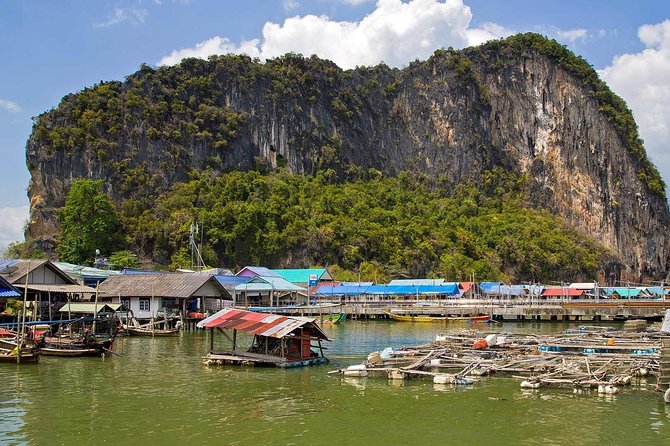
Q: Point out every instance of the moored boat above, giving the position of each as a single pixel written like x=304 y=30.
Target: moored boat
x=74 y=347
x=333 y=318
x=422 y=318
x=28 y=356
x=143 y=331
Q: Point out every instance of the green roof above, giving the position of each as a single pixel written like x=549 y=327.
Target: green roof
x=302 y=275
x=89 y=307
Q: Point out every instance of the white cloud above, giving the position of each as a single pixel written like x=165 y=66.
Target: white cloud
x=120 y=15
x=215 y=45
x=11 y=225
x=396 y=32
x=641 y=79
x=290 y=5
x=572 y=35
x=10 y=106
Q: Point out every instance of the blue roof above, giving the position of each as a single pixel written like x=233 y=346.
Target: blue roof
x=508 y=290
x=451 y=288
x=139 y=271
x=259 y=271
x=489 y=285
x=341 y=290
x=232 y=280
x=6 y=292
x=658 y=290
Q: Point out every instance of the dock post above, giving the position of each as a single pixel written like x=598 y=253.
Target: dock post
x=663 y=383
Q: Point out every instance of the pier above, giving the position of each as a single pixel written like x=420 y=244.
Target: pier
x=590 y=311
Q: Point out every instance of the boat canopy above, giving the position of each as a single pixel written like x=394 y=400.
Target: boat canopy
x=90 y=307
x=261 y=324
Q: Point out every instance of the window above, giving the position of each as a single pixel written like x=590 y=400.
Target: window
x=144 y=305
x=125 y=303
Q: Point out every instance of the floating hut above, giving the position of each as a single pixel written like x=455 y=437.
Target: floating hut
x=280 y=341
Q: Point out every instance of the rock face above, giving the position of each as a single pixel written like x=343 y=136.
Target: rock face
x=452 y=117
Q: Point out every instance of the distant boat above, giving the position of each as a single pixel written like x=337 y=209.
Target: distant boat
x=444 y=319
x=330 y=319
x=144 y=331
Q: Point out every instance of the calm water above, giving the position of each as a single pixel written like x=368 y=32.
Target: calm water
x=159 y=393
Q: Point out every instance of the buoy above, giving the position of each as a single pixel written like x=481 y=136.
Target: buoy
x=611 y=390
x=643 y=371
x=435 y=362
x=530 y=385
x=396 y=374
x=627 y=380
x=443 y=379
x=601 y=389
x=356 y=367
x=666 y=396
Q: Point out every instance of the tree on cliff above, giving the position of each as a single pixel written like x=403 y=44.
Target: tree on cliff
x=88 y=222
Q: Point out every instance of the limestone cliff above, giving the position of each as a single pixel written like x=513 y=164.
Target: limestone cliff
x=525 y=104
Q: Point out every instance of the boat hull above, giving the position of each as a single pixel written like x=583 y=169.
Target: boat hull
x=71 y=352
x=134 y=331
x=437 y=319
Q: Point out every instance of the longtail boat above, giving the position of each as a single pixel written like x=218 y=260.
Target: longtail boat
x=74 y=347
x=329 y=319
x=144 y=331
x=443 y=319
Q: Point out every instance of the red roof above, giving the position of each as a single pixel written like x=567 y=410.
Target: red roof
x=261 y=324
x=572 y=292
x=466 y=286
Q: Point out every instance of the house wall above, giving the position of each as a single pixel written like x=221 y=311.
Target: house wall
x=43 y=276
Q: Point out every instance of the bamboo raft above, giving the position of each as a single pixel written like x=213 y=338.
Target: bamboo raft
x=578 y=359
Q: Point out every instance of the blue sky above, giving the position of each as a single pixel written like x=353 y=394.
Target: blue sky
x=52 y=48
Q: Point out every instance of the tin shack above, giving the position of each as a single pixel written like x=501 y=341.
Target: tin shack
x=280 y=341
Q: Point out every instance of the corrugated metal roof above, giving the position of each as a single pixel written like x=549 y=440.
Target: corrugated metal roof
x=79 y=289
x=341 y=290
x=176 y=285
x=625 y=292
x=658 y=290
x=251 y=271
x=264 y=283
x=489 y=285
x=6 y=292
x=80 y=272
x=231 y=280
x=572 y=292
x=508 y=290
x=302 y=275
x=584 y=285
x=357 y=283
x=416 y=282
x=262 y=324
x=7 y=289
x=13 y=270
x=89 y=307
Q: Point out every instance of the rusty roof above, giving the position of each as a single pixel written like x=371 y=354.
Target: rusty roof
x=261 y=324
x=562 y=292
x=177 y=285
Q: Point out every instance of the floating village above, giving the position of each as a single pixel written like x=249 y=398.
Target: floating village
x=276 y=318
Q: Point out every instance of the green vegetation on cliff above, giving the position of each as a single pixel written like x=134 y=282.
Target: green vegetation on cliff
x=381 y=227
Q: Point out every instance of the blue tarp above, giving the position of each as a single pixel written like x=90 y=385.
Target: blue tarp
x=507 y=290
x=387 y=290
x=485 y=286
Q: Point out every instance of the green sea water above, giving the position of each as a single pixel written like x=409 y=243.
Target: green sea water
x=159 y=393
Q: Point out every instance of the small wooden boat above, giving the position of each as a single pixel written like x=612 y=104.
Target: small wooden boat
x=443 y=319
x=143 y=331
x=28 y=356
x=74 y=347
